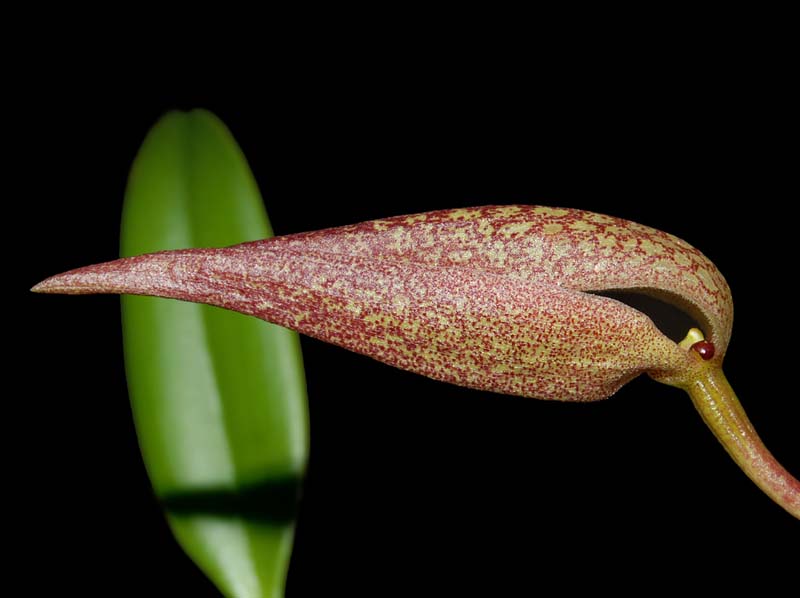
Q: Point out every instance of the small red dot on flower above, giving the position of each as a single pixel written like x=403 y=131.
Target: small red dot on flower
x=704 y=349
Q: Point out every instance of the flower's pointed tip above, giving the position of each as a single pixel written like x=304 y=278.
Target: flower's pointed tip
x=149 y=274
x=66 y=283
x=116 y=276
x=51 y=285
x=48 y=285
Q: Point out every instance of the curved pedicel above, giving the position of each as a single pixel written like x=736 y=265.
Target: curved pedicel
x=498 y=298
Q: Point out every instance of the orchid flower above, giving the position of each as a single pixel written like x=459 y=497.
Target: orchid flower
x=504 y=299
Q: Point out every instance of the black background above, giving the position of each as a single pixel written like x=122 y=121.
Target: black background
x=413 y=484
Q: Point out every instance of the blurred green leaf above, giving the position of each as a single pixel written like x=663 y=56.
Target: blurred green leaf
x=218 y=398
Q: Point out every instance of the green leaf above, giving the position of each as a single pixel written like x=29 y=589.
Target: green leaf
x=218 y=398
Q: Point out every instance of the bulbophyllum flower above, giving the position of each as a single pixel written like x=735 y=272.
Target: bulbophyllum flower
x=499 y=298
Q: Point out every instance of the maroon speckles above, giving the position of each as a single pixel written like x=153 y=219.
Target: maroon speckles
x=705 y=349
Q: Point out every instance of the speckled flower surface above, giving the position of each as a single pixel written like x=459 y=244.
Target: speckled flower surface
x=490 y=298
x=497 y=298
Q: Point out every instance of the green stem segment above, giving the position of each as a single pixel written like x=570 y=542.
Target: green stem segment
x=714 y=398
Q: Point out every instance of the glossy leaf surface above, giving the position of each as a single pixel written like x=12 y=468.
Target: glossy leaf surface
x=218 y=398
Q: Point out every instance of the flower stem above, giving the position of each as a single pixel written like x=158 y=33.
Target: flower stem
x=714 y=398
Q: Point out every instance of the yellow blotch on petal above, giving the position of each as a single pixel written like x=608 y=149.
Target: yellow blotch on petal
x=616 y=230
x=554 y=212
x=599 y=218
x=607 y=240
x=464 y=214
x=514 y=229
x=681 y=259
x=552 y=229
x=651 y=248
x=507 y=211
x=582 y=225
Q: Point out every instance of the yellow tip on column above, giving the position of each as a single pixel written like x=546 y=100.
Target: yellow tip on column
x=695 y=335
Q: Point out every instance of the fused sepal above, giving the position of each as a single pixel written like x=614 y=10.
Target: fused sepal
x=490 y=298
